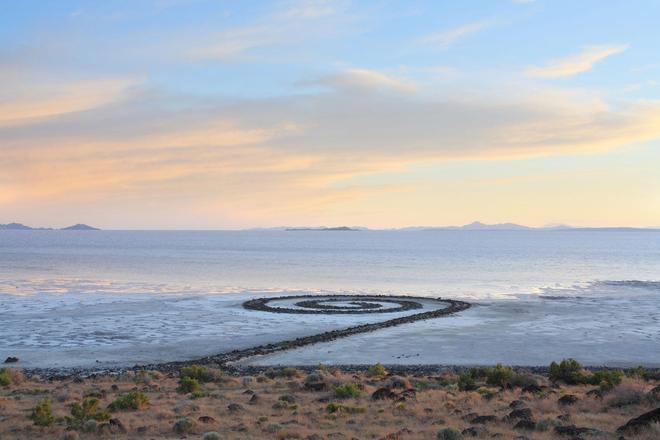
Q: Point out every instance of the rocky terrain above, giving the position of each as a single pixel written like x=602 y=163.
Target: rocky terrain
x=330 y=403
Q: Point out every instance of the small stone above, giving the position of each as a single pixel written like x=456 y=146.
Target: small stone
x=116 y=425
x=520 y=413
x=206 y=419
x=235 y=407
x=568 y=399
x=254 y=399
x=11 y=360
x=288 y=398
x=516 y=404
x=483 y=419
x=382 y=394
x=527 y=425
x=475 y=431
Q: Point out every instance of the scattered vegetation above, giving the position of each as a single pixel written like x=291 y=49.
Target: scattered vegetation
x=347 y=390
x=338 y=408
x=183 y=426
x=42 y=413
x=10 y=376
x=87 y=410
x=188 y=385
x=571 y=372
x=5 y=380
x=449 y=434
x=131 y=401
x=376 y=371
x=200 y=374
x=287 y=372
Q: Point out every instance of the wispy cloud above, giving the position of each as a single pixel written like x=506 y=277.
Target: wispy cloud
x=25 y=99
x=444 y=39
x=313 y=8
x=364 y=79
x=581 y=62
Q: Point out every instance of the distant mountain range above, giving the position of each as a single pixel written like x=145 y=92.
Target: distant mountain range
x=474 y=226
x=22 y=227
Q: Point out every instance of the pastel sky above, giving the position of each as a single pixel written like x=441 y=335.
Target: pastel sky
x=217 y=114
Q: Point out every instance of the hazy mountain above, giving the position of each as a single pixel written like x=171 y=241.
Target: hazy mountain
x=19 y=227
x=324 y=228
x=22 y=227
x=80 y=227
x=498 y=226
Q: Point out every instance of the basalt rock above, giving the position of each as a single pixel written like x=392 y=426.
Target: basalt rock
x=641 y=422
x=383 y=393
x=576 y=431
x=568 y=399
x=520 y=414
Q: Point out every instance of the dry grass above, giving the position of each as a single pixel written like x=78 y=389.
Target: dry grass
x=420 y=416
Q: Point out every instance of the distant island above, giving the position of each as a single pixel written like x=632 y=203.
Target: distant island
x=22 y=227
x=323 y=228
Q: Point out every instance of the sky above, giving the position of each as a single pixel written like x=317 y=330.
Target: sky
x=185 y=114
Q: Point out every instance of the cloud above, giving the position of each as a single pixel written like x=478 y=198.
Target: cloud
x=284 y=26
x=442 y=40
x=311 y=9
x=26 y=97
x=363 y=79
x=581 y=62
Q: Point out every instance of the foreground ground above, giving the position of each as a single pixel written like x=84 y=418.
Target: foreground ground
x=200 y=402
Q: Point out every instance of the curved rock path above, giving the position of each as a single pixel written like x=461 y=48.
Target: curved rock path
x=308 y=304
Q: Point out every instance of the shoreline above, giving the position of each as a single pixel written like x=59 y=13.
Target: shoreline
x=225 y=360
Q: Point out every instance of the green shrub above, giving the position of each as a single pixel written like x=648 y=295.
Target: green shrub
x=499 y=376
x=133 y=400
x=338 y=408
x=568 y=371
x=547 y=424
x=183 y=426
x=466 y=381
x=347 y=390
x=87 y=410
x=199 y=373
x=376 y=371
x=199 y=394
x=606 y=379
x=288 y=372
x=449 y=434
x=188 y=385
x=42 y=413
x=5 y=379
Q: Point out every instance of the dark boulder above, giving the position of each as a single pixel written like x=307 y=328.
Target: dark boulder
x=641 y=422
x=383 y=393
x=475 y=431
x=234 y=407
x=11 y=360
x=568 y=399
x=576 y=431
x=483 y=419
x=526 y=425
x=316 y=386
x=520 y=414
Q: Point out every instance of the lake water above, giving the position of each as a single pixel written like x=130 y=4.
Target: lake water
x=73 y=298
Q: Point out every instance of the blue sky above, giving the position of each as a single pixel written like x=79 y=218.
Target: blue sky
x=376 y=113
